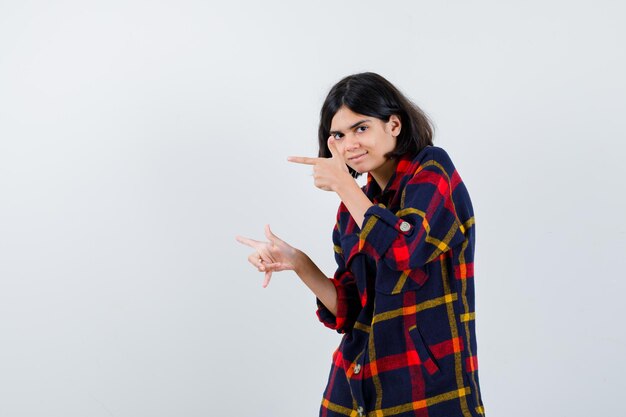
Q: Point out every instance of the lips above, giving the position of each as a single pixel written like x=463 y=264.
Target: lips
x=357 y=158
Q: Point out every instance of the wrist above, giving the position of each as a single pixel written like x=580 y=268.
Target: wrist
x=300 y=262
x=344 y=183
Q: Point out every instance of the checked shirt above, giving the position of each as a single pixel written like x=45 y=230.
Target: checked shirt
x=405 y=286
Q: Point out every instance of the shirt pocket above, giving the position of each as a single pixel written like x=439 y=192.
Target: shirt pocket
x=427 y=360
x=392 y=282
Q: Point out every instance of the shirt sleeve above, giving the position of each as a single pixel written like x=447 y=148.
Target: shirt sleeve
x=426 y=225
x=348 y=300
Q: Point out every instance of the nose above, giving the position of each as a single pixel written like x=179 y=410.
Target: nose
x=351 y=142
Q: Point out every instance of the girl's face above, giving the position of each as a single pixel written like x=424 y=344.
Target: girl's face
x=363 y=141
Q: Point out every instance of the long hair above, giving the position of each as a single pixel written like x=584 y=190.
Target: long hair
x=370 y=94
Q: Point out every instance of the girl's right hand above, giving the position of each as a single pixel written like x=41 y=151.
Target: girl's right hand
x=272 y=256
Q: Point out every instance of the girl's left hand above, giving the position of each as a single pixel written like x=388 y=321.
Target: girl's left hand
x=328 y=173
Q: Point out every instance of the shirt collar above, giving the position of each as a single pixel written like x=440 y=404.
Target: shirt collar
x=372 y=189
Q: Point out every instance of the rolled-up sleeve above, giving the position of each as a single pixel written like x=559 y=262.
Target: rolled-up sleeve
x=348 y=300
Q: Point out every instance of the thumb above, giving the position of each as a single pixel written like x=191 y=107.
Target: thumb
x=332 y=146
x=270 y=236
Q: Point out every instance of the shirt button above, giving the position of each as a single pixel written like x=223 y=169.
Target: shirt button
x=357 y=368
x=360 y=411
x=405 y=226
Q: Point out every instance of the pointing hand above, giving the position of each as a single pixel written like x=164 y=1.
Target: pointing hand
x=271 y=256
x=328 y=173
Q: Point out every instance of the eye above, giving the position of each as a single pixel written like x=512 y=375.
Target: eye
x=337 y=136
x=361 y=129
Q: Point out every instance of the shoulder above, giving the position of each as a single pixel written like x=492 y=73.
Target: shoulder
x=432 y=158
x=433 y=153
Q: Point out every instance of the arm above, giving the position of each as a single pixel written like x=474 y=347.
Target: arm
x=354 y=198
x=277 y=255
x=348 y=300
x=317 y=281
x=427 y=224
x=338 y=299
x=331 y=174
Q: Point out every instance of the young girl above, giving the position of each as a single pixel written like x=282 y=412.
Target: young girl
x=403 y=291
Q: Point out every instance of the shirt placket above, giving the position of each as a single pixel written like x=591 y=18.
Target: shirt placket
x=355 y=372
x=355 y=378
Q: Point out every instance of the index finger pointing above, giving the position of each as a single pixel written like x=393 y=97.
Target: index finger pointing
x=246 y=241
x=302 y=160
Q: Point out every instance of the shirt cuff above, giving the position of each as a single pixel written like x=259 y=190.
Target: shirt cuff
x=381 y=228
x=329 y=320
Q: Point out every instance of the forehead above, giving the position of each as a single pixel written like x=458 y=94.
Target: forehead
x=344 y=118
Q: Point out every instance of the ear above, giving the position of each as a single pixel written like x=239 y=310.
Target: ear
x=394 y=125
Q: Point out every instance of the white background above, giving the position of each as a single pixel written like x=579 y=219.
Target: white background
x=137 y=138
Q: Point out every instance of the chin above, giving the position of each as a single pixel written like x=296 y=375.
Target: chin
x=359 y=171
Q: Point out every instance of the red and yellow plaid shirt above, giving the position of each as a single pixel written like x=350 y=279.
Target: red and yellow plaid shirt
x=405 y=286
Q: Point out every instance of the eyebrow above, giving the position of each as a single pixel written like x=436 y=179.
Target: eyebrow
x=332 y=132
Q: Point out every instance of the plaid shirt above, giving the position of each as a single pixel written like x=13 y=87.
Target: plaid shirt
x=405 y=287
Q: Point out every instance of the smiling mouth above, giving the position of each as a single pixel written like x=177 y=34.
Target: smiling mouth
x=358 y=157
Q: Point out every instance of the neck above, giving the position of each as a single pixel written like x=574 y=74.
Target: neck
x=383 y=174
